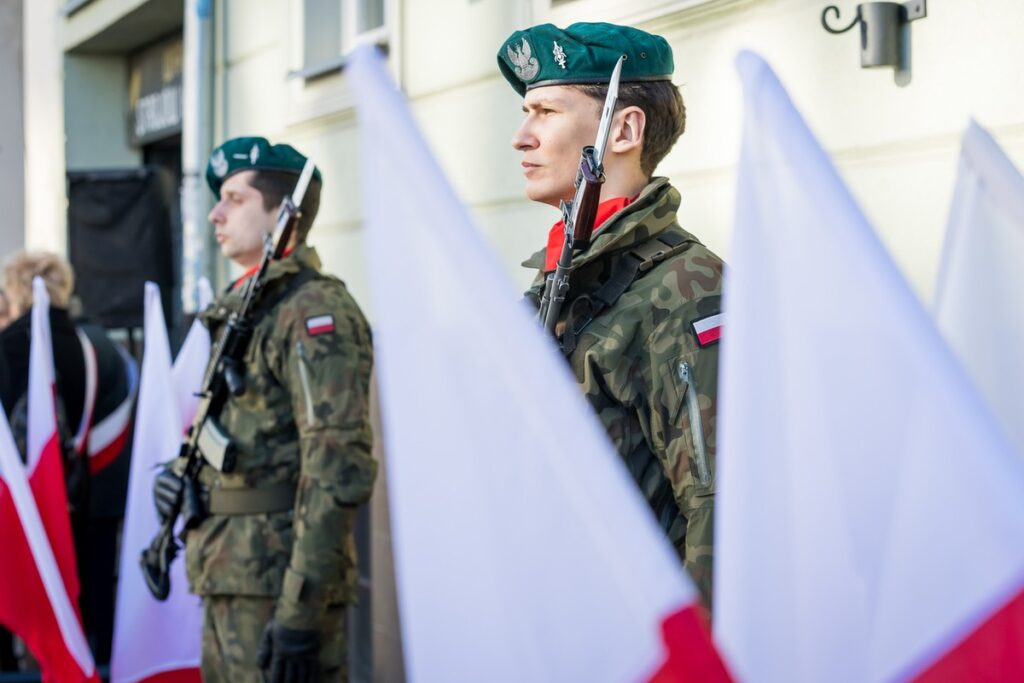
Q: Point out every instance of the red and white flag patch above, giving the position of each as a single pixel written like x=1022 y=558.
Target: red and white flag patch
x=320 y=324
x=708 y=330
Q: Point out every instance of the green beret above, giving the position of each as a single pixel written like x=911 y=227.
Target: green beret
x=250 y=154
x=582 y=53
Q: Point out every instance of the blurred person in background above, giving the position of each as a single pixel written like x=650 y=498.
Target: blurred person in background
x=5 y=310
x=96 y=382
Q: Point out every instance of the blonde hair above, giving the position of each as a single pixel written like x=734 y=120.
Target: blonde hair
x=55 y=271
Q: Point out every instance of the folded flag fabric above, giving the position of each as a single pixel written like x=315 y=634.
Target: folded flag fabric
x=978 y=292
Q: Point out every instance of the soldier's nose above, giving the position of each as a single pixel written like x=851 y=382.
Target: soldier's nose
x=523 y=139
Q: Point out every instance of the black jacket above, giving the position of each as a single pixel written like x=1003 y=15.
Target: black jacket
x=68 y=361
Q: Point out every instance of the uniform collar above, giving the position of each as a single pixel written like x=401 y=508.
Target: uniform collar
x=237 y=284
x=556 y=237
x=619 y=230
x=302 y=256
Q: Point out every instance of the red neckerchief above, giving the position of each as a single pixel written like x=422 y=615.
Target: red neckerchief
x=252 y=271
x=556 y=238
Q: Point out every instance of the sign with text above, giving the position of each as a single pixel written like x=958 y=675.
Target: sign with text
x=154 y=92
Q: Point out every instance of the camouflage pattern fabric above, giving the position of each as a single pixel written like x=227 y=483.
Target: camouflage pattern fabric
x=642 y=369
x=304 y=421
x=233 y=625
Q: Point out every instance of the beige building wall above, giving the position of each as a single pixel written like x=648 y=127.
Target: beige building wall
x=45 y=198
x=896 y=144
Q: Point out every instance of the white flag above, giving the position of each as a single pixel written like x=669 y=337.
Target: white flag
x=191 y=361
x=524 y=551
x=870 y=512
x=980 y=286
x=154 y=638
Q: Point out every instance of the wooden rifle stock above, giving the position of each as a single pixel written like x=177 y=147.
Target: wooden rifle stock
x=592 y=178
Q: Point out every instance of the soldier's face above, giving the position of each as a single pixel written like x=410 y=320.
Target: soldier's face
x=240 y=221
x=559 y=122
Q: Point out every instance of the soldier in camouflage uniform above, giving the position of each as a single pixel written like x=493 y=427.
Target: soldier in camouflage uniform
x=642 y=318
x=275 y=560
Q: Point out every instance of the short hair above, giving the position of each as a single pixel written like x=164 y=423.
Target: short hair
x=276 y=185
x=663 y=106
x=57 y=275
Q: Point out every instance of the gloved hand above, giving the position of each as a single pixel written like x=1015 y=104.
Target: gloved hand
x=167 y=489
x=287 y=655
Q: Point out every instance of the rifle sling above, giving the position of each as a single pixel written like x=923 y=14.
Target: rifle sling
x=273 y=297
x=627 y=268
x=276 y=498
x=266 y=303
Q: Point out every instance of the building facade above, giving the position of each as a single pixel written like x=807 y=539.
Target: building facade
x=102 y=93
x=12 y=130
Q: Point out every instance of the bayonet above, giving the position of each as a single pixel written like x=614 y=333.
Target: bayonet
x=579 y=214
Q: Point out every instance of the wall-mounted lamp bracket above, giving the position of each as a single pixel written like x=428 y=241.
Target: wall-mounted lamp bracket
x=837 y=31
x=881 y=25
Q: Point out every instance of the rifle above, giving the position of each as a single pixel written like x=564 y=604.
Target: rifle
x=579 y=214
x=206 y=440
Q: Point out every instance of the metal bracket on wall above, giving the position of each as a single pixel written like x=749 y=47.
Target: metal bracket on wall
x=881 y=26
x=916 y=9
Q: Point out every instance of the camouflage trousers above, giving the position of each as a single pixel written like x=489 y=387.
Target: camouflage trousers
x=233 y=625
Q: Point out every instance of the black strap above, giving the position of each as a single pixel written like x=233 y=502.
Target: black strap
x=273 y=297
x=627 y=268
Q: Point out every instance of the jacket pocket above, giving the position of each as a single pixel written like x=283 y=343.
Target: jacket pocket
x=691 y=397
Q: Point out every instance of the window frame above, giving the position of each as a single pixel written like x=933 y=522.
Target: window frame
x=318 y=90
x=349 y=37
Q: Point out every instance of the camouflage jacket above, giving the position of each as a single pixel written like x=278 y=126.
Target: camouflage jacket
x=641 y=366
x=303 y=421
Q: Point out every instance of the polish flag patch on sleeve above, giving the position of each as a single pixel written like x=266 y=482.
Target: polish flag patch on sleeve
x=708 y=329
x=320 y=324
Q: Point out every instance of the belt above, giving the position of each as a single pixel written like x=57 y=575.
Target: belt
x=276 y=498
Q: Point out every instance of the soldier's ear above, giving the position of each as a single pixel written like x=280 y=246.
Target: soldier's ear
x=627 y=132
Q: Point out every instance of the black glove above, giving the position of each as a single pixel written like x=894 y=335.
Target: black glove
x=287 y=655
x=167 y=489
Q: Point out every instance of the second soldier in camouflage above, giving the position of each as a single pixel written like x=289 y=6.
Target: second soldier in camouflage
x=642 y=318
x=274 y=561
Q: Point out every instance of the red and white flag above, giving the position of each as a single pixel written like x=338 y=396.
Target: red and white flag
x=870 y=509
x=38 y=598
x=523 y=549
x=981 y=280
x=154 y=640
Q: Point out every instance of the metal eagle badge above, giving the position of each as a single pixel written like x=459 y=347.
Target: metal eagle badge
x=219 y=163
x=526 y=65
x=559 y=55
